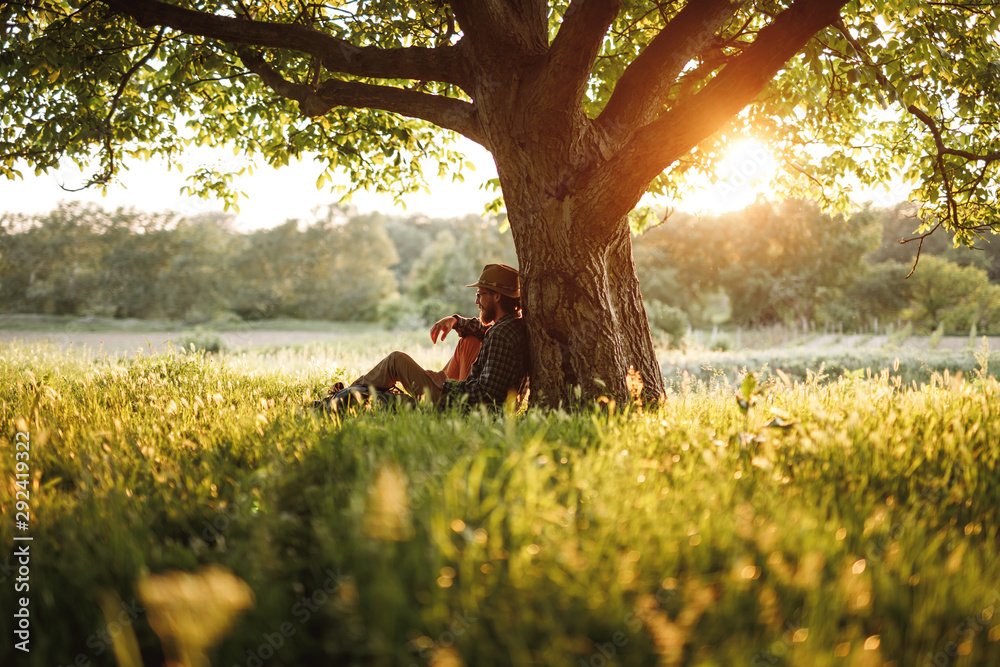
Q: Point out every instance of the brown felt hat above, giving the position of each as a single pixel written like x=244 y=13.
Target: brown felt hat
x=499 y=278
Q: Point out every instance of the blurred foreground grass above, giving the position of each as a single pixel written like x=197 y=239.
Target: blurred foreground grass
x=844 y=520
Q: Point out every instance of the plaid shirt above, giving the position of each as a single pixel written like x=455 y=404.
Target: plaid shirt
x=500 y=368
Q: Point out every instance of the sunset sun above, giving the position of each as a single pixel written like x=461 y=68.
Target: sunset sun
x=744 y=173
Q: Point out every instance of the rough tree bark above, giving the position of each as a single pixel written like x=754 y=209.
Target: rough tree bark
x=585 y=316
x=586 y=321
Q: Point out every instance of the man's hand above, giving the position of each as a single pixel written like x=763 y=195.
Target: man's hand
x=442 y=327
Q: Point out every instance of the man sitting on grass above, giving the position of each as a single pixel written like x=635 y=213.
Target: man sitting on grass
x=496 y=342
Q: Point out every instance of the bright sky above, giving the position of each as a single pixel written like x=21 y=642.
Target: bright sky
x=271 y=195
x=275 y=195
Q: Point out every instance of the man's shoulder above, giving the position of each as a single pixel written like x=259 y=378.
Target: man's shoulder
x=509 y=325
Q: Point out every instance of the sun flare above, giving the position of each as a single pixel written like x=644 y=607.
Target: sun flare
x=745 y=172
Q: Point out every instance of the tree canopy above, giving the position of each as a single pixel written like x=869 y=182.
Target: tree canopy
x=890 y=87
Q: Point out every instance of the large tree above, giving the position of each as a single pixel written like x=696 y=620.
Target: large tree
x=584 y=104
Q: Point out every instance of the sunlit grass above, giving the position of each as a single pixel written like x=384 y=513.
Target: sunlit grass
x=848 y=520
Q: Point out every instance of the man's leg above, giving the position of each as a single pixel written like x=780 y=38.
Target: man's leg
x=400 y=367
x=460 y=364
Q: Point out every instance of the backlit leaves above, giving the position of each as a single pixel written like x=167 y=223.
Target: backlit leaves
x=845 y=112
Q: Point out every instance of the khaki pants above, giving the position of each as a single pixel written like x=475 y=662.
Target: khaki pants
x=420 y=382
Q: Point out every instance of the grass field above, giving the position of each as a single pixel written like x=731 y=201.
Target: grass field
x=186 y=504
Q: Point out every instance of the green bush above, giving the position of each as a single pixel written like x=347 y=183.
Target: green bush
x=876 y=294
x=945 y=293
x=202 y=341
x=668 y=321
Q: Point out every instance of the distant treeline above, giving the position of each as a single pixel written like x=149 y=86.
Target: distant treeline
x=789 y=263
x=784 y=263
x=83 y=260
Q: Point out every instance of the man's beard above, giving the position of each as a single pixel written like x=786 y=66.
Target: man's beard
x=488 y=315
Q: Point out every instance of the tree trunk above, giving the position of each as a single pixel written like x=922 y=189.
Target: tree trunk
x=586 y=321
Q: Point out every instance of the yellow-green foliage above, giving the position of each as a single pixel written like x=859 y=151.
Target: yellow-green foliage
x=851 y=521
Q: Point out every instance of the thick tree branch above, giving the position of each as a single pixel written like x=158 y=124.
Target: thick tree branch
x=442 y=111
x=644 y=87
x=710 y=62
x=574 y=50
x=498 y=27
x=532 y=14
x=671 y=135
x=337 y=55
x=474 y=19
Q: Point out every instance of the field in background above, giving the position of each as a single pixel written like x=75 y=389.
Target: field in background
x=840 y=519
x=347 y=349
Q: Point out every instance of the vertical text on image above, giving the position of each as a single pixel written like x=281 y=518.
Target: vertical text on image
x=22 y=540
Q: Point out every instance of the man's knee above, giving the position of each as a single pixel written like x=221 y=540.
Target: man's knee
x=399 y=363
x=395 y=357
